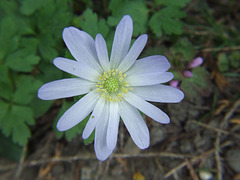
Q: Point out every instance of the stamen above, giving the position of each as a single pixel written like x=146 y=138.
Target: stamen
x=112 y=85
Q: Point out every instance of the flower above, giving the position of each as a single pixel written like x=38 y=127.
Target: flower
x=116 y=88
x=196 y=62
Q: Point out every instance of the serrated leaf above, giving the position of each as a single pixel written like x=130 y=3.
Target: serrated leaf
x=26 y=90
x=46 y=47
x=167 y=20
x=9 y=38
x=155 y=25
x=28 y=7
x=198 y=84
x=16 y=123
x=171 y=26
x=177 y=3
x=136 y=9
x=6 y=86
x=22 y=62
x=48 y=72
x=39 y=106
x=89 y=22
x=185 y=48
x=9 y=150
x=3 y=109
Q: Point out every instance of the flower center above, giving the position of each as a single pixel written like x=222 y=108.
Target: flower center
x=112 y=85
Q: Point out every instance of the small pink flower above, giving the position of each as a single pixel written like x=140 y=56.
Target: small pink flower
x=196 y=62
x=188 y=74
x=174 y=83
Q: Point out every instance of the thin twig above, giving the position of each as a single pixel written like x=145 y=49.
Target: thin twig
x=21 y=163
x=217 y=157
x=196 y=159
x=210 y=127
x=234 y=48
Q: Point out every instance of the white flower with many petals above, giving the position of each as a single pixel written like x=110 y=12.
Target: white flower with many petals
x=114 y=89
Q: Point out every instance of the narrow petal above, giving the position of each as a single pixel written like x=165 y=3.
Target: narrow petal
x=159 y=93
x=100 y=143
x=102 y=52
x=76 y=68
x=148 y=79
x=65 y=88
x=121 y=42
x=78 y=111
x=133 y=53
x=94 y=118
x=135 y=124
x=147 y=108
x=81 y=45
x=149 y=64
x=113 y=124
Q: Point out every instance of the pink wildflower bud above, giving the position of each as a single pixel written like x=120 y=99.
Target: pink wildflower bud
x=188 y=74
x=196 y=62
x=174 y=83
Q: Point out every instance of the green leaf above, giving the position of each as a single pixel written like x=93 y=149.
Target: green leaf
x=136 y=9
x=198 y=84
x=28 y=7
x=26 y=90
x=9 y=39
x=167 y=20
x=39 y=106
x=89 y=22
x=223 y=62
x=46 y=47
x=235 y=59
x=185 y=48
x=22 y=62
x=90 y=139
x=6 y=86
x=24 y=58
x=48 y=72
x=9 y=150
x=16 y=123
x=3 y=109
x=177 y=3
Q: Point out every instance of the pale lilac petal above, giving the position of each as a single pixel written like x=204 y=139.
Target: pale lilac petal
x=133 y=53
x=150 y=64
x=135 y=124
x=113 y=124
x=100 y=143
x=78 y=111
x=76 y=68
x=148 y=79
x=159 y=93
x=188 y=74
x=121 y=42
x=174 y=83
x=196 y=62
x=147 y=108
x=102 y=52
x=94 y=118
x=65 y=88
x=82 y=46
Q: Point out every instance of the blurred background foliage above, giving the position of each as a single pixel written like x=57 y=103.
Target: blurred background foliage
x=31 y=37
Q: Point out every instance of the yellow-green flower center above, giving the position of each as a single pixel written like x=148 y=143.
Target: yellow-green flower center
x=112 y=85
